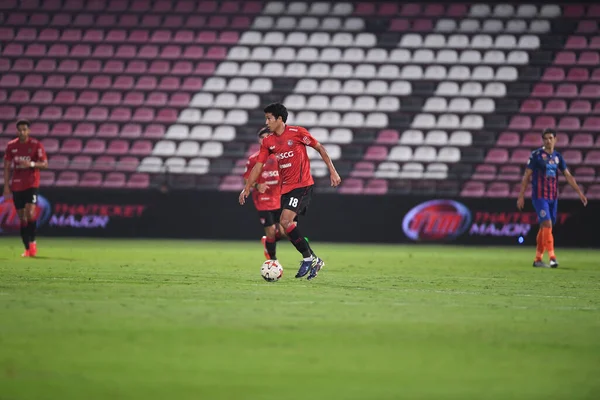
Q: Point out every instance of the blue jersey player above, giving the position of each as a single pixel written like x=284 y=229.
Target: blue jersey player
x=542 y=169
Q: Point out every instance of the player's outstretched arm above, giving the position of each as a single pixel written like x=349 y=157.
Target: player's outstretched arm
x=573 y=183
x=524 y=183
x=250 y=182
x=335 y=177
x=6 y=191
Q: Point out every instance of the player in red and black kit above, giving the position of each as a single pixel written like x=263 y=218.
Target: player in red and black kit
x=288 y=143
x=266 y=196
x=27 y=157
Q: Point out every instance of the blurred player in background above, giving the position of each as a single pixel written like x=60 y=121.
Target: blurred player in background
x=542 y=168
x=288 y=144
x=266 y=195
x=27 y=157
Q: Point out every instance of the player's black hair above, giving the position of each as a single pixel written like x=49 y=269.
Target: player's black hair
x=23 y=122
x=278 y=110
x=263 y=130
x=548 y=130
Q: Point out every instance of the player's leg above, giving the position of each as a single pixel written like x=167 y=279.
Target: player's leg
x=30 y=209
x=268 y=221
x=20 y=201
x=550 y=239
x=542 y=210
x=293 y=202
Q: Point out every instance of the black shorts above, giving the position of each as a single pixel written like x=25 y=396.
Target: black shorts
x=26 y=196
x=269 y=217
x=297 y=200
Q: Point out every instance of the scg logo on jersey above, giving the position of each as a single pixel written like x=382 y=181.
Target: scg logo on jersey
x=436 y=220
x=9 y=220
x=283 y=156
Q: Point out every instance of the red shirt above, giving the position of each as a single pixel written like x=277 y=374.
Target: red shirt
x=24 y=177
x=290 y=150
x=270 y=199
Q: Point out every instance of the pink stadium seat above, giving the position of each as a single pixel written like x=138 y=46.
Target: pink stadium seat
x=520 y=123
x=170 y=52
x=128 y=164
x=91 y=179
x=595 y=42
x=29 y=112
x=87 y=97
x=138 y=36
x=100 y=82
x=138 y=181
x=93 y=35
x=154 y=131
x=19 y=97
x=91 y=66
x=71 y=146
x=51 y=113
x=48 y=35
x=38 y=129
x=388 y=136
x=22 y=65
x=50 y=145
x=84 y=129
x=376 y=153
x=497 y=156
x=123 y=83
x=13 y=50
x=580 y=107
x=593 y=192
x=136 y=67
x=510 y=173
x=484 y=172
x=376 y=187
x=508 y=139
x=543 y=90
x=106 y=20
x=578 y=75
x=520 y=156
x=159 y=68
x=566 y=90
x=589 y=58
x=399 y=25
x=190 y=83
x=141 y=148
x=125 y=51
x=26 y=35
x=146 y=83
x=60 y=20
x=107 y=130
x=114 y=180
x=582 y=140
x=94 y=146
x=113 y=67
x=120 y=114
x=160 y=36
x=83 y=20
x=81 y=163
x=572 y=157
x=553 y=74
x=363 y=169
x=531 y=106
x=8 y=112
x=591 y=124
x=179 y=100
x=352 y=186
x=590 y=91
x=4 y=65
x=118 y=147
x=473 y=189
x=9 y=80
x=172 y=21
x=569 y=124
x=228 y=7
x=156 y=99
x=181 y=37
x=229 y=37
x=45 y=66
x=236 y=23
x=587 y=26
x=47 y=178
x=194 y=21
x=364 y=9
x=555 y=107
x=104 y=163
x=78 y=82
x=55 y=82
x=61 y=129
x=97 y=114
x=107 y=99
x=498 y=190
x=131 y=131
x=117 y=35
x=71 y=35
x=206 y=37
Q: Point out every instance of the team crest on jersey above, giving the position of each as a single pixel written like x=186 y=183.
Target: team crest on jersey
x=543 y=213
x=544 y=156
x=290 y=143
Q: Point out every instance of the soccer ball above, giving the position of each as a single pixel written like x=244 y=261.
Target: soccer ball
x=271 y=270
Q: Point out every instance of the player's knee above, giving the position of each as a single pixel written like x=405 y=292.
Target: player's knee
x=547 y=224
x=286 y=222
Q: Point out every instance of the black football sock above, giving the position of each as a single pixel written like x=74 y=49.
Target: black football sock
x=298 y=241
x=271 y=246
x=25 y=234
x=32 y=230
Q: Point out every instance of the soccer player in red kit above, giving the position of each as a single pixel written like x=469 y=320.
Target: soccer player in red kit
x=288 y=143
x=542 y=169
x=266 y=196
x=27 y=157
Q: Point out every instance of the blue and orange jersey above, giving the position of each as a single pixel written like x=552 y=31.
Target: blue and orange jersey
x=545 y=167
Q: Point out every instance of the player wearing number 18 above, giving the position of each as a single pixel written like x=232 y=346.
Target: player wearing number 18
x=288 y=143
x=27 y=156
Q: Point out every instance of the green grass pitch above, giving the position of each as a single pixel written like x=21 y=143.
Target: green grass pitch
x=137 y=319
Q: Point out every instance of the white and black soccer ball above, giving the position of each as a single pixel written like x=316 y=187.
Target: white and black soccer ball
x=271 y=270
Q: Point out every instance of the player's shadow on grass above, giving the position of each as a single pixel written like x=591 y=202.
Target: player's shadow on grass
x=53 y=258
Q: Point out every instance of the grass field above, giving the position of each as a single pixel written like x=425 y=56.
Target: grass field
x=100 y=319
